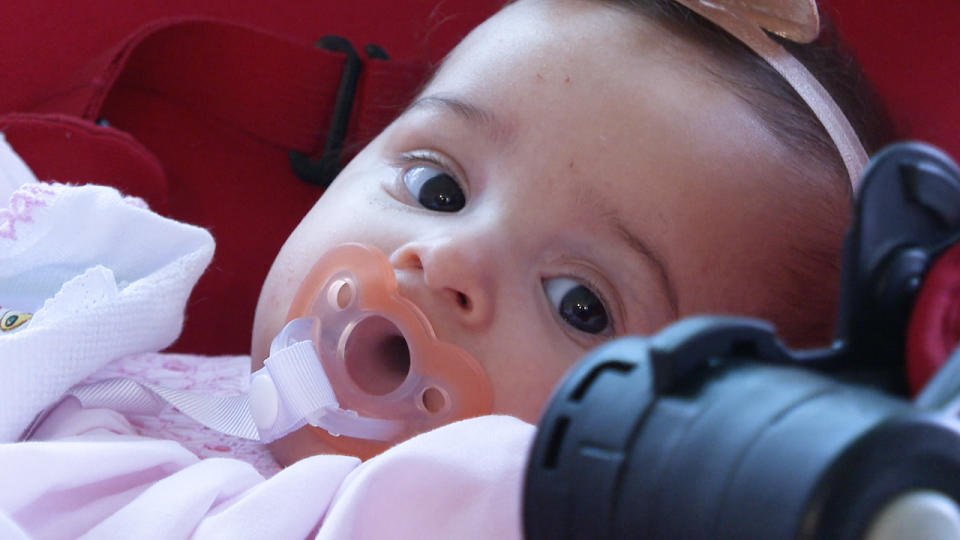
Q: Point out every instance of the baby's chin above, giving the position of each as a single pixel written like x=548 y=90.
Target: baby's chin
x=298 y=445
x=309 y=441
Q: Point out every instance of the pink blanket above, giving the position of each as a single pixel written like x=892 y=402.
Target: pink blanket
x=93 y=476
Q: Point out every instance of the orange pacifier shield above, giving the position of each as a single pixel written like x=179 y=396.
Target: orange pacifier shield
x=380 y=352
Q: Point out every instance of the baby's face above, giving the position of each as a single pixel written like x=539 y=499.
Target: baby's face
x=571 y=173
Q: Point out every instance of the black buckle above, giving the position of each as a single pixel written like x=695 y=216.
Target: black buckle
x=322 y=171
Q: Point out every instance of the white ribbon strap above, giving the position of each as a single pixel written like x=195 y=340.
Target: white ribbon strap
x=230 y=415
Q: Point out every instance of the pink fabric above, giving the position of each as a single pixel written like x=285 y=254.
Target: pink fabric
x=96 y=473
x=104 y=481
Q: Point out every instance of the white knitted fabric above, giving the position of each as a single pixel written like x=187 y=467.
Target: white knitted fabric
x=103 y=276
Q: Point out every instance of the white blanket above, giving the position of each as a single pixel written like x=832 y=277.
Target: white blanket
x=103 y=276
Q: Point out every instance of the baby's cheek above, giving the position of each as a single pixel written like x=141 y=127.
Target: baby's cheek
x=283 y=280
x=269 y=317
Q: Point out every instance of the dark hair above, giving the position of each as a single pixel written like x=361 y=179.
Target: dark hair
x=808 y=281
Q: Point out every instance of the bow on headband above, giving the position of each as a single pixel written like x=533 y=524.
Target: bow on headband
x=798 y=21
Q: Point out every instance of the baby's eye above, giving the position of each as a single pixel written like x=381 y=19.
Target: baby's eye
x=434 y=188
x=577 y=305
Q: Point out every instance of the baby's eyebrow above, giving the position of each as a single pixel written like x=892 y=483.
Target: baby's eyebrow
x=650 y=255
x=590 y=198
x=469 y=112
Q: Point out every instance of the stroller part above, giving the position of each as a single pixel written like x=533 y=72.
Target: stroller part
x=920 y=514
x=907 y=214
x=706 y=431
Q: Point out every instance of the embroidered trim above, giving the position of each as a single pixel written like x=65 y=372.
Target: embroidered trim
x=22 y=203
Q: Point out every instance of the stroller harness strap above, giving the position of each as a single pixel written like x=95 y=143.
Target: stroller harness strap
x=275 y=89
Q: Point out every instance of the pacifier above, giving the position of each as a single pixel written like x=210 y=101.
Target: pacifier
x=361 y=364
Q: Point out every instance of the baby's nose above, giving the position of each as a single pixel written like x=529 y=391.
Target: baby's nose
x=450 y=277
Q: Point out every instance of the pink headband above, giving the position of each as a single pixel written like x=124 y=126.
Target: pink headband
x=798 y=21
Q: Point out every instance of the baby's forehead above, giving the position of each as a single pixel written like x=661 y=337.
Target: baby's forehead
x=598 y=28
x=596 y=87
x=586 y=48
x=585 y=86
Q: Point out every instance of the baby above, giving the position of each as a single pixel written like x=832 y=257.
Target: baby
x=575 y=170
